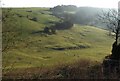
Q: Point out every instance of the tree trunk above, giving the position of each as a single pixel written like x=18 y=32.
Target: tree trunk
x=116 y=38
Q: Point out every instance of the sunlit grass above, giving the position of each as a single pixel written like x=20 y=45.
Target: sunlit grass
x=35 y=50
x=36 y=55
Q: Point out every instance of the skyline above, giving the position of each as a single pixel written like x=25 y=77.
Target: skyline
x=51 y=3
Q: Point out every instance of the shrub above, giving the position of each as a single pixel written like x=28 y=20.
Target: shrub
x=34 y=19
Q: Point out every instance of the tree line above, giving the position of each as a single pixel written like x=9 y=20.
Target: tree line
x=78 y=15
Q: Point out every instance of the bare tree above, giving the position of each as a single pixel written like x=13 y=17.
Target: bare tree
x=111 y=62
x=112 y=21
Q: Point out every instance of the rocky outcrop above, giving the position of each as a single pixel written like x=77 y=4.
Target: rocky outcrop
x=111 y=63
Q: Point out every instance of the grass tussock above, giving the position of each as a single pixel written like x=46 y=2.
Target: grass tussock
x=80 y=69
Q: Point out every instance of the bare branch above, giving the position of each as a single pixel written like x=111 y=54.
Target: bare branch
x=112 y=21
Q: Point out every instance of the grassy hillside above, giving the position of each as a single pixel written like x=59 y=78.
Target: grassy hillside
x=36 y=49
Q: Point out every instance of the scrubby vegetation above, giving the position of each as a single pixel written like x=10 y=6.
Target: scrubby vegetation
x=80 y=69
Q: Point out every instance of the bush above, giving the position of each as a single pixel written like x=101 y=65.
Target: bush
x=63 y=25
x=46 y=30
x=34 y=19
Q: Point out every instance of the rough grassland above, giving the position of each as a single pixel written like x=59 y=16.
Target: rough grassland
x=37 y=49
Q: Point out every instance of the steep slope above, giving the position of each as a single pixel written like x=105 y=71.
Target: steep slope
x=40 y=50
